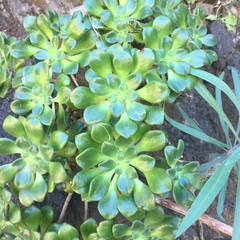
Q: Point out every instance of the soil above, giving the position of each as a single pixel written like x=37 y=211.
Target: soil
x=12 y=13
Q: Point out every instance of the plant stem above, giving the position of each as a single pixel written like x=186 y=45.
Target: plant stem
x=209 y=221
x=65 y=205
x=85 y=210
x=74 y=80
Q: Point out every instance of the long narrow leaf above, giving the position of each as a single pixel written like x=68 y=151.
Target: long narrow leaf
x=203 y=91
x=209 y=191
x=236 y=82
x=189 y=120
x=236 y=223
x=195 y=133
x=221 y=200
x=225 y=127
x=219 y=84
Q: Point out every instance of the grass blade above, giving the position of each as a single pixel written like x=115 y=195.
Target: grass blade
x=225 y=127
x=209 y=191
x=236 y=223
x=203 y=91
x=189 y=120
x=195 y=133
x=221 y=200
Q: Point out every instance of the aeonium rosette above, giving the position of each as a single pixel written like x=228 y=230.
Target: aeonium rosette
x=109 y=165
x=63 y=42
x=119 y=21
x=118 y=80
x=42 y=162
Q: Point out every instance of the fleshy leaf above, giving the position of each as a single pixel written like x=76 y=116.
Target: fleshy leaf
x=123 y=64
x=152 y=141
x=158 y=180
x=143 y=60
x=96 y=113
x=126 y=127
x=8 y=146
x=159 y=92
x=143 y=197
x=100 y=62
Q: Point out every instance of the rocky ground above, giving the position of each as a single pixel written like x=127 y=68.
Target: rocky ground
x=12 y=13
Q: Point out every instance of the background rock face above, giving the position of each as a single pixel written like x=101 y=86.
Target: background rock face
x=12 y=13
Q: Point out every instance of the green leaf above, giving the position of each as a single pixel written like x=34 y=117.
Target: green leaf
x=107 y=206
x=47 y=216
x=143 y=196
x=34 y=130
x=143 y=162
x=196 y=58
x=90 y=158
x=143 y=60
x=99 y=86
x=76 y=27
x=67 y=231
x=125 y=184
x=96 y=113
x=23 y=178
x=127 y=206
x=158 y=180
x=47 y=115
x=209 y=191
x=57 y=172
x=121 y=230
x=86 y=42
x=93 y=7
x=126 y=127
x=13 y=126
x=209 y=40
x=109 y=149
x=230 y=20
x=44 y=25
x=8 y=146
x=31 y=217
x=39 y=188
x=154 y=216
x=177 y=82
x=159 y=92
x=82 y=179
x=136 y=111
x=84 y=141
x=117 y=109
x=100 y=62
x=154 y=116
x=7 y=172
x=152 y=141
x=21 y=107
x=105 y=229
x=83 y=97
x=57 y=140
x=150 y=38
x=134 y=80
x=98 y=191
x=20 y=49
x=123 y=64
x=163 y=25
x=14 y=213
x=107 y=165
x=180 y=38
x=89 y=226
x=101 y=132
x=173 y=154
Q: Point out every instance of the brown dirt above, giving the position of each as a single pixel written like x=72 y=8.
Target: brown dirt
x=228 y=50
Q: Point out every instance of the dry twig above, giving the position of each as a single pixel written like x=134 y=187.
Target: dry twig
x=209 y=221
x=64 y=209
